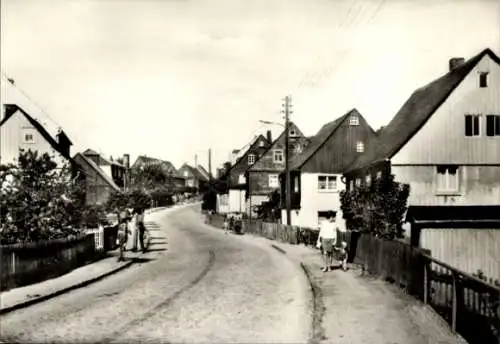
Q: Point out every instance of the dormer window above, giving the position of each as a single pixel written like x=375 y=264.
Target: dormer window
x=483 y=79
x=360 y=147
x=354 y=120
x=251 y=159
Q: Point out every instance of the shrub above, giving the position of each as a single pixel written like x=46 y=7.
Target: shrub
x=39 y=200
x=378 y=208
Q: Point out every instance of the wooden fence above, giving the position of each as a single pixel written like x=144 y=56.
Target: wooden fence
x=23 y=264
x=470 y=306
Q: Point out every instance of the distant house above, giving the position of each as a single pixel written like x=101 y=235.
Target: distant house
x=195 y=177
x=233 y=199
x=445 y=142
x=316 y=173
x=175 y=180
x=114 y=169
x=19 y=130
x=262 y=175
x=98 y=184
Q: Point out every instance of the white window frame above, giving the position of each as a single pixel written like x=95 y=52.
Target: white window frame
x=275 y=153
x=368 y=179
x=273 y=181
x=358 y=182
x=186 y=173
x=451 y=181
x=360 y=147
x=29 y=131
x=261 y=143
x=251 y=159
x=479 y=131
x=486 y=76
x=293 y=133
x=354 y=120
x=330 y=183
x=379 y=175
x=296 y=184
x=241 y=179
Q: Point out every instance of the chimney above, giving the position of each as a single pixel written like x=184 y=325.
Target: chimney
x=269 y=136
x=126 y=160
x=455 y=62
x=64 y=142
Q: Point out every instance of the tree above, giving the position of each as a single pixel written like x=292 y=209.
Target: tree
x=149 y=176
x=39 y=200
x=378 y=208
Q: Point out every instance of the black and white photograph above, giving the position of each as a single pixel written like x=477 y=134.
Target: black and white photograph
x=250 y=171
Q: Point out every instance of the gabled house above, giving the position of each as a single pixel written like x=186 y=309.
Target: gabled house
x=445 y=143
x=316 y=174
x=233 y=199
x=262 y=175
x=204 y=173
x=116 y=169
x=19 y=130
x=98 y=184
x=192 y=176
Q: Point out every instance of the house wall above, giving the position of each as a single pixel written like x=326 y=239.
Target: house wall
x=237 y=201
x=254 y=201
x=242 y=164
x=97 y=189
x=479 y=185
x=340 y=149
x=313 y=200
x=442 y=139
x=259 y=183
x=467 y=249
x=11 y=140
x=223 y=204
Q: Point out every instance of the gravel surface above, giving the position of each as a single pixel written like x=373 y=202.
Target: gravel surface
x=197 y=285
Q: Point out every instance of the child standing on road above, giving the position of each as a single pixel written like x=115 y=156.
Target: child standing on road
x=342 y=255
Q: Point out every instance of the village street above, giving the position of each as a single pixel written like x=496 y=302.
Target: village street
x=196 y=285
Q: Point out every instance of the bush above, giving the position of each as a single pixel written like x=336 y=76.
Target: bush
x=39 y=200
x=137 y=198
x=378 y=209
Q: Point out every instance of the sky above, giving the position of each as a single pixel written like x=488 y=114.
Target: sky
x=172 y=78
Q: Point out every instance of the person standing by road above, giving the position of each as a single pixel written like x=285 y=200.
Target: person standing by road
x=141 y=228
x=326 y=239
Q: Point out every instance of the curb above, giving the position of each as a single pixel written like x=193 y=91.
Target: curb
x=64 y=290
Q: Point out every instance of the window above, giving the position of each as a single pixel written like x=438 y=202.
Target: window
x=261 y=143
x=241 y=179
x=472 y=125
x=379 y=175
x=293 y=133
x=354 y=120
x=185 y=173
x=483 y=79
x=351 y=184
x=360 y=147
x=493 y=125
x=358 y=182
x=273 y=181
x=447 y=178
x=278 y=155
x=327 y=183
x=28 y=136
x=368 y=180
x=296 y=184
x=251 y=159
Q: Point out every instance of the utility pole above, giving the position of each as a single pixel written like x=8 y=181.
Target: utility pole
x=287 y=112
x=196 y=171
x=210 y=164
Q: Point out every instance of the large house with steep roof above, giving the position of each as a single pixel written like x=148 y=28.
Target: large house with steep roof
x=316 y=173
x=445 y=143
x=262 y=175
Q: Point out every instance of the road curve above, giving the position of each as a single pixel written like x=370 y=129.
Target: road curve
x=197 y=285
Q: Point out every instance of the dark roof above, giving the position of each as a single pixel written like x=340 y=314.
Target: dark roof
x=11 y=109
x=99 y=171
x=255 y=141
x=319 y=140
x=204 y=172
x=273 y=143
x=415 y=112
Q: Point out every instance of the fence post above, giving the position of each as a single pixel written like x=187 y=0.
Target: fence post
x=458 y=299
x=427 y=281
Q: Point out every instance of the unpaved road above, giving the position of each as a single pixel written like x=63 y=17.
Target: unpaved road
x=197 y=285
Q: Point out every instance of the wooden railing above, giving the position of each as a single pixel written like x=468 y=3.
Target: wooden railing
x=471 y=306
